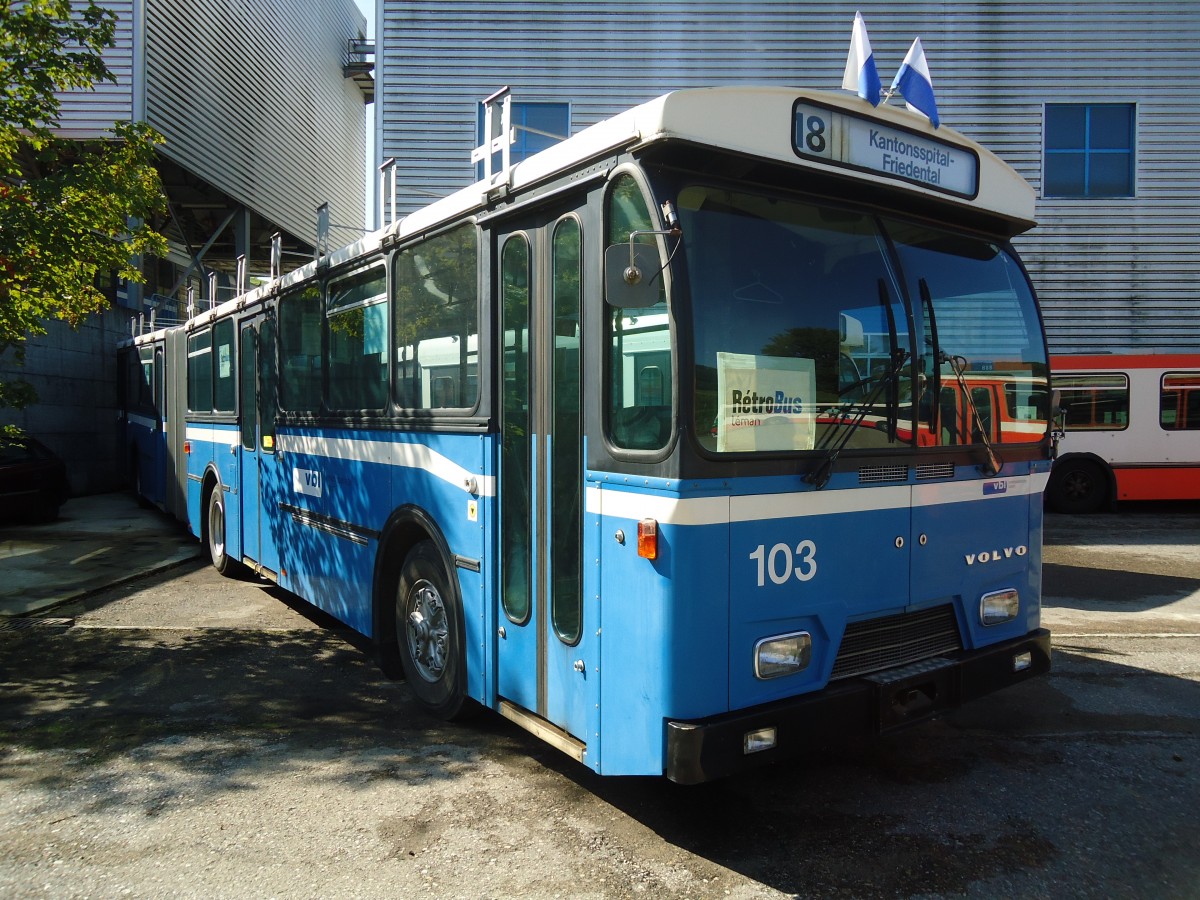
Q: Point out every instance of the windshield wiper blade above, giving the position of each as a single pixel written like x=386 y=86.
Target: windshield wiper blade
x=935 y=425
x=958 y=365
x=819 y=476
x=893 y=400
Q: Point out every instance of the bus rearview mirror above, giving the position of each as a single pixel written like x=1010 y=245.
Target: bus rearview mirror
x=632 y=276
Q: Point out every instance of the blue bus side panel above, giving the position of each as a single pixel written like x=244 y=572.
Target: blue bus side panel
x=983 y=540
x=148 y=449
x=665 y=646
x=329 y=555
x=211 y=451
x=273 y=483
x=199 y=455
x=810 y=573
x=516 y=652
x=344 y=486
x=226 y=459
x=476 y=541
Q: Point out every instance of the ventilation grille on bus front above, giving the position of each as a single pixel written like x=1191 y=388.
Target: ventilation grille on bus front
x=878 y=474
x=896 y=640
x=935 y=470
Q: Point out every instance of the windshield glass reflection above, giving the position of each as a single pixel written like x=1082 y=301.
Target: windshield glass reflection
x=803 y=340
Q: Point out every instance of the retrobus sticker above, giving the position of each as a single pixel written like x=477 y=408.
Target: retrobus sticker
x=766 y=402
x=854 y=142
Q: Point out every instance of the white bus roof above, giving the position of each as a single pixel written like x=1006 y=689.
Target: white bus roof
x=753 y=120
x=757 y=121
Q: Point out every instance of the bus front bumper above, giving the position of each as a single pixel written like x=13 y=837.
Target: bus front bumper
x=702 y=749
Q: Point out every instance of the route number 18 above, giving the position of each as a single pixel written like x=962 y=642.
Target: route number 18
x=814 y=135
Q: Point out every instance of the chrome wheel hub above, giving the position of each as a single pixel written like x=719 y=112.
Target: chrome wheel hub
x=426 y=630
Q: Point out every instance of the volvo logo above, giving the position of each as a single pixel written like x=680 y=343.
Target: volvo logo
x=988 y=556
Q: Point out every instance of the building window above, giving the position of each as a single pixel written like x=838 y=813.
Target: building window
x=536 y=126
x=1089 y=150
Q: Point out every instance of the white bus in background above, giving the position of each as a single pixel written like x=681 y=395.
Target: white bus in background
x=1132 y=430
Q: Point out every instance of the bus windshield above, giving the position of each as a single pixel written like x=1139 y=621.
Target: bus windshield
x=803 y=338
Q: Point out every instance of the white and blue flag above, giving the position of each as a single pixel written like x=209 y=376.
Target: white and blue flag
x=915 y=85
x=861 y=75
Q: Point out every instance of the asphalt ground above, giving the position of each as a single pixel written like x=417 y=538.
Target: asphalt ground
x=187 y=735
x=96 y=543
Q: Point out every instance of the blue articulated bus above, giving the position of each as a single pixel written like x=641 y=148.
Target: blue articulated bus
x=715 y=431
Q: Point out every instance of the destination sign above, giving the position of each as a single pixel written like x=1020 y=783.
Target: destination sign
x=859 y=143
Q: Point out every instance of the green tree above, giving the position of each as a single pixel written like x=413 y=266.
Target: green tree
x=72 y=214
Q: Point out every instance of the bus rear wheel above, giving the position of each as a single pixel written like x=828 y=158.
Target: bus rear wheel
x=1077 y=486
x=429 y=633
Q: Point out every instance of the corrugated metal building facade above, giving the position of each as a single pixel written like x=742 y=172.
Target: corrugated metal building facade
x=1112 y=273
x=251 y=97
x=264 y=122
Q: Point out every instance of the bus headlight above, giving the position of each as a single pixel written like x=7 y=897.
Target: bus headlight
x=782 y=655
x=999 y=606
x=758 y=741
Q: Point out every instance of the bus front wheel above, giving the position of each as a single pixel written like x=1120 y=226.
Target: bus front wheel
x=429 y=632
x=1077 y=486
x=215 y=533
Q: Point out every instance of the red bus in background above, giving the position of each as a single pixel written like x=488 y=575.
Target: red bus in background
x=1132 y=430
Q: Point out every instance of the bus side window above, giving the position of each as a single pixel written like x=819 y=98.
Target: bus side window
x=1179 y=408
x=357 y=323
x=300 y=320
x=199 y=372
x=224 y=390
x=650 y=387
x=1094 y=402
x=268 y=383
x=640 y=362
x=435 y=311
x=984 y=425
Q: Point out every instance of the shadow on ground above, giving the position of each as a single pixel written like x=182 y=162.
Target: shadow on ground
x=1099 y=589
x=995 y=791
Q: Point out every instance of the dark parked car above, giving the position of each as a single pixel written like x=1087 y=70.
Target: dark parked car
x=33 y=481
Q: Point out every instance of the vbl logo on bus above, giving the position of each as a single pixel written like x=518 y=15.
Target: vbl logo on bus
x=306 y=481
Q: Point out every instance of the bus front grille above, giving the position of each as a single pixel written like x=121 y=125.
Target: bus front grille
x=880 y=474
x=896 y=640
x=935 y=470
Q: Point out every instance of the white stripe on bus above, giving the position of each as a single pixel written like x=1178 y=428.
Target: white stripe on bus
x=762 y=507
x=212 y=435
x=390 y=453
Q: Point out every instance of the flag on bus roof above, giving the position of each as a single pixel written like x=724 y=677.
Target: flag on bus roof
x=861 y=75
x=915 y=84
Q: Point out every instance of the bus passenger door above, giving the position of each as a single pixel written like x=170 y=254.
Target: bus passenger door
x=546 y=645
x=257 y=386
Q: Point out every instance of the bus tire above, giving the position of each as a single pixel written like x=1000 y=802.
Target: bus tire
x=214 y=533
x=1077 y=486
x=429 y=633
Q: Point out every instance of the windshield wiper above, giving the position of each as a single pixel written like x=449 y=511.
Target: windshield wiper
x=819 y=476
x=935 y=426
x=893 y=400
x=958 y=366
